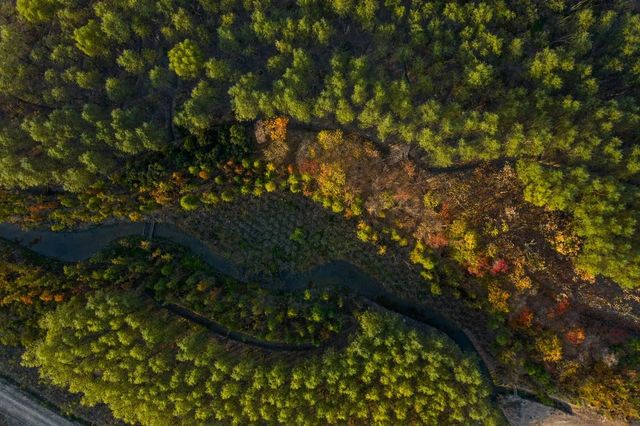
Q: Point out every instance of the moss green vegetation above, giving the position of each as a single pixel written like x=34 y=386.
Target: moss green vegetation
x=154 y=370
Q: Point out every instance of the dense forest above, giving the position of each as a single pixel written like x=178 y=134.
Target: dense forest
x=88 y=85
x=154 y=371
x=491 y=147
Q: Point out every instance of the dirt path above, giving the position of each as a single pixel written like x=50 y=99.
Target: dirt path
x=18 y=408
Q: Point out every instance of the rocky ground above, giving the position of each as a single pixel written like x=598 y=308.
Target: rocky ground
x=523 y=412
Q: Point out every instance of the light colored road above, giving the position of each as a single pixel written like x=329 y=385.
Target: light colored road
x=21 y=409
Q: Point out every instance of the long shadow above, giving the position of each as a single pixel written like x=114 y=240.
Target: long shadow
x=75 y=246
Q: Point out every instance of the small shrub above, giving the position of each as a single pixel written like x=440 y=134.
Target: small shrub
x=524 y=318
x=297 y=235
x=419 y=257
x=210 y=198
x=337 y=207
x=226 y=196
x=498 y=298
x=430 y=201
x=549 y=347
x=294 y=187
x=275 y=130
x=575 y=336
x=189 y=202
x=503 y=337
x=499 y=266
x=435 y=289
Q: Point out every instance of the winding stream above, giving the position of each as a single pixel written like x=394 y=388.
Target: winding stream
x=80 y=245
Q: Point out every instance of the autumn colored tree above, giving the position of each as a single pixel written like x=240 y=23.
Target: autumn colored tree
x=29 y=287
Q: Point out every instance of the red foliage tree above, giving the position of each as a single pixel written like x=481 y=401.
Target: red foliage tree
x=499 y=266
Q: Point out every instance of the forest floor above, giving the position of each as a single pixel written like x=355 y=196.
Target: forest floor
x=523 y=412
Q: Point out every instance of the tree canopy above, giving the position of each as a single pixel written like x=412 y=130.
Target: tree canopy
x=153 y=369
x=85 y=86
